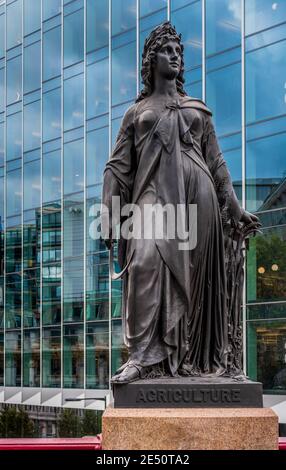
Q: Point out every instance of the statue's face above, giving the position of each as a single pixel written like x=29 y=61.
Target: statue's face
x=168 y=60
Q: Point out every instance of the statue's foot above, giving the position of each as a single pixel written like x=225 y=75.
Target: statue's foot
x=187 y=370
x=130 y=373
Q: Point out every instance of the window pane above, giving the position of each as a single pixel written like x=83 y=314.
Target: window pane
x=73 y=38
x=73 y=166
x=32 y=126
x=73 y=356
x=73 y=102
x=124 y=73
x=52 y=115
x=51 y=295
x=51 y=176
x=52 y=53
x=14 y=80
x=73 y=290
x=123 y=15
x=265 y=172
x=51 y=357
x=262 y=14
x=97 y=289
x=2 y=89
x=149 y=6
x=51 y=8
x=73 y=226
x=223 y=25
x=97 y=353
x=31 y=242
x=14 y=136
x=14 y=189
x=266 y=266
x=97 y=24
x=13 y=359
x=32 y=185
x=266 y=342
x=191 y=31
x=1 y=144
x=31 y=358
x=32 y=16
x=14 y=24
x=97 y=155
x=265 y=98
x=97 y=89
x=227 y=113
x=14 y=252
x=2 y=35
x=13 y=301
x=32 y=67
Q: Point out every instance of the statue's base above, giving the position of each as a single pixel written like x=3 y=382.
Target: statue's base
x=190 y=429
x=188 y=392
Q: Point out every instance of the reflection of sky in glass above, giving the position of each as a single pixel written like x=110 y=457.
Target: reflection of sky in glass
x=2 y=35
x=97 y=24
x=123 y=15
x=2 y=91
x=32 y=185
x=73 y=102
x=14 y=136
x=261 y=14
x=51 y=176
x=32 y=16
x=52 y=114
x=32 y=67
x=124 y=73
x=14 y=189
x=265 y=168
x=73 y=167
x=73 y=37
x=14 y=24
x=1 y=144
x=97 y=89
x=223 y=89
x=223 y=25
x=52 y=53
x=97 y=155
x=51 y=8
x=32 y=126
x=191 y=31
x=149 y=6
x=14 y=80
x=265 y=82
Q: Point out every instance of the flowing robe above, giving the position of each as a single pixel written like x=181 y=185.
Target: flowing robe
x=174 y=301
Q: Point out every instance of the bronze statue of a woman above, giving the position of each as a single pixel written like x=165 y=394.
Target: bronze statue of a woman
x=180 y=307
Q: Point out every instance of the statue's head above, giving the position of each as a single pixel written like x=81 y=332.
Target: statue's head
x=163 y=40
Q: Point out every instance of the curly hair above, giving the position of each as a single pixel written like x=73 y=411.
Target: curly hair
x=157 y=38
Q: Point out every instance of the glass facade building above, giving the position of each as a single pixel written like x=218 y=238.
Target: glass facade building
x=68 y=72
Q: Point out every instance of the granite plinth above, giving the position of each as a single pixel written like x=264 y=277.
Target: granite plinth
x=190 y=429
x=188 y=392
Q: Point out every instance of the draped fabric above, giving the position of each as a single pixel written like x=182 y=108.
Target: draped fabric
x=174 y=301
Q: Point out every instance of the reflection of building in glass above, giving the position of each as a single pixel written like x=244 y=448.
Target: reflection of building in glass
x=69 y=69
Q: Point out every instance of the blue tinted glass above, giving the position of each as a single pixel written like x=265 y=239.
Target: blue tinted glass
x=97 y=89
x=223 y=25
x=265 y=97
x=2 y=91
x=149 y=6
x=14 y=189
x=73 y=102
x=191 y=31
x=97 y=155
x=1 y=213
x=73 y=38
x=51 y=8
x=265 y=173
x=32 y=126
x=74 y=227
x=32 y=16
x=14 y=24
x=51 y=176
x=52 y=114
x=52 y=53
x=96 y=24
x=227 y=113
x=14 y=79
x=194 y=89
x=1 y=144
x=2 y=35
x=123 y=15
x=32 y=67
x=14 y=136
x=261 y=14
x=179 y=3
x=73 y=167
x=32 y=185
x=124 y=73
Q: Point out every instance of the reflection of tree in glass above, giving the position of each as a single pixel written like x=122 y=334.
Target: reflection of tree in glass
x=270 y=251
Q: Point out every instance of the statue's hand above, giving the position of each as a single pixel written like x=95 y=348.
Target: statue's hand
x=251 y=222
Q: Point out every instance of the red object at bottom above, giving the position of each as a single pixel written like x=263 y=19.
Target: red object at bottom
x=83 y=443
x=282 y=443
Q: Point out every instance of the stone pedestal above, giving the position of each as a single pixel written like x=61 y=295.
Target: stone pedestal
x=190 y=429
